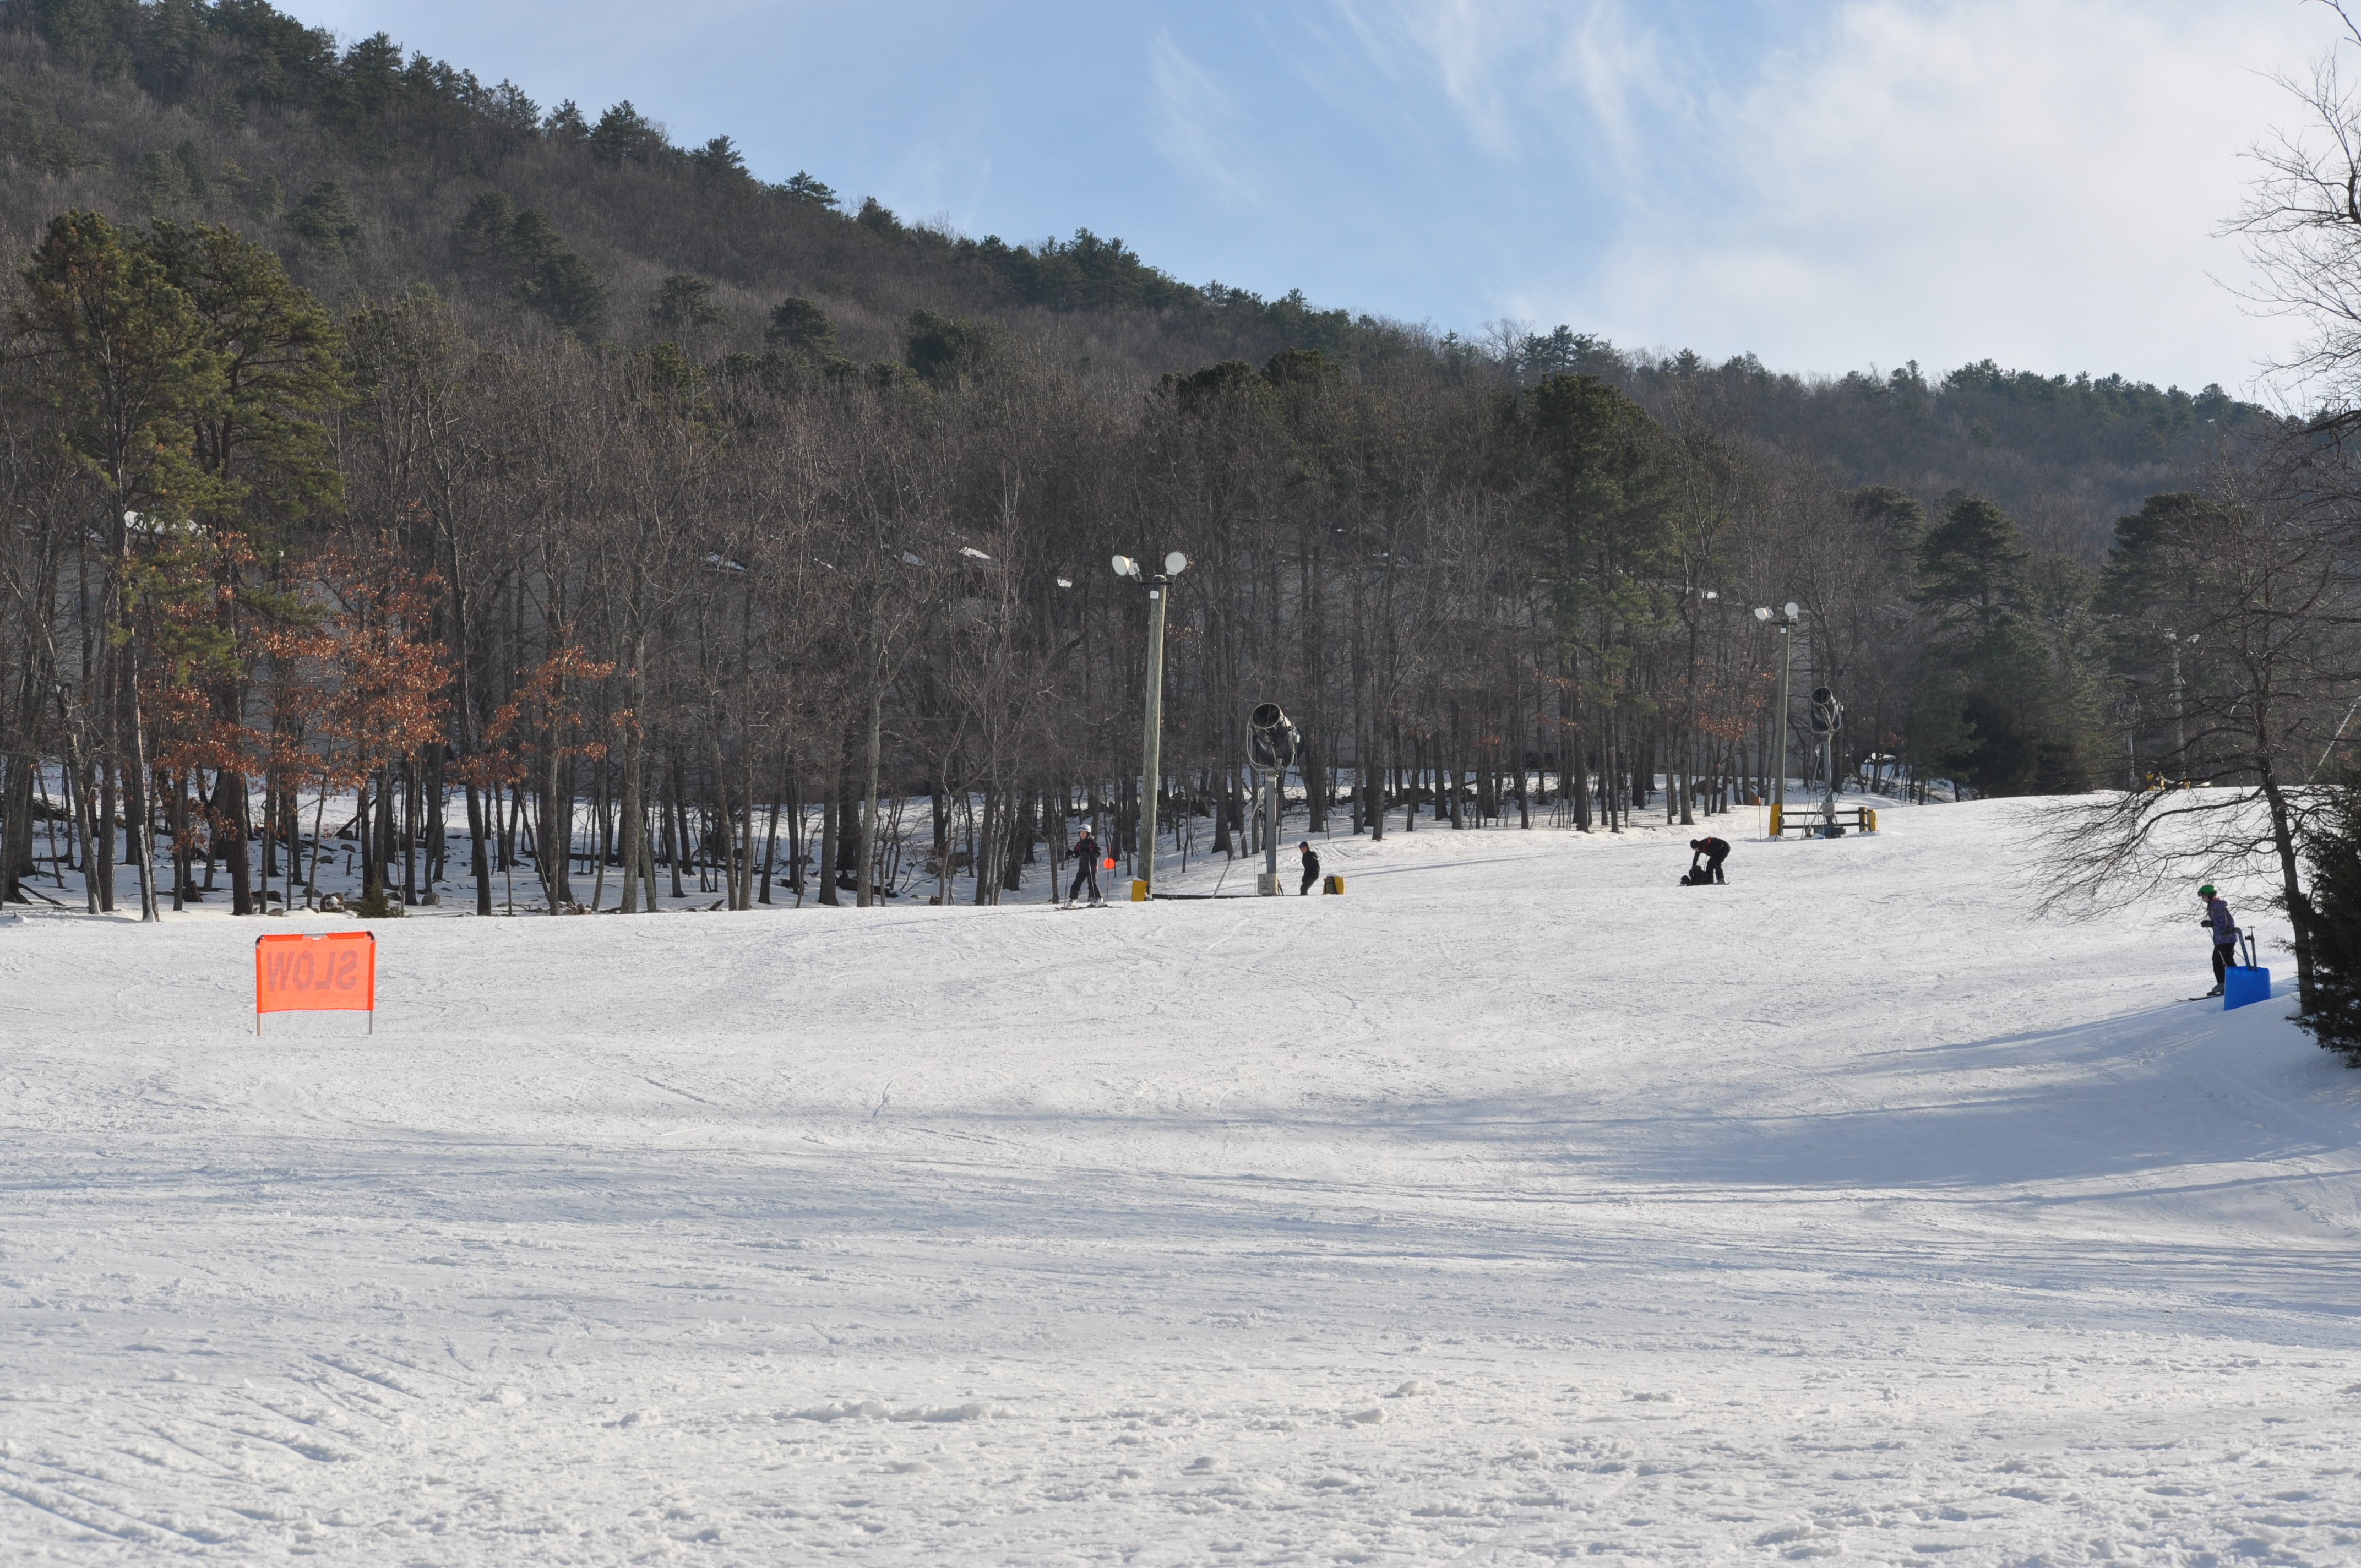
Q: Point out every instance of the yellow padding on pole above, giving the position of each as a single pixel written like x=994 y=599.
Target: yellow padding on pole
x=1871 y=814
x=1138 y=891
x=1332 y=884
x=1775 y=820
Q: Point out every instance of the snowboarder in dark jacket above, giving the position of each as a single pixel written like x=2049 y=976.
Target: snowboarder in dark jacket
x=1086 y=870
x=1310 y=868
x=2225 y=936
x=1712 y=851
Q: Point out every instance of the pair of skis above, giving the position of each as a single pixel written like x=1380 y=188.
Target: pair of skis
x=2250 y=944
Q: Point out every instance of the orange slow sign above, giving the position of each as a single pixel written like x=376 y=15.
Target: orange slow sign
x=316 y=971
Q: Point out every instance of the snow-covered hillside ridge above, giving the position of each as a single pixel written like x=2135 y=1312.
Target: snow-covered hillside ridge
x=1519 y=1204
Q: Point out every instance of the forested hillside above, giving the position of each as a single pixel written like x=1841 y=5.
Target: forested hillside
x=372 y=427
x=361 y=167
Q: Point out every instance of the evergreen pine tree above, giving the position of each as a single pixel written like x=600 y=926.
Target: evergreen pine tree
x=325 y=217
x=802 y=187
x=2334 y=852
x=496 y=239
x=797 y=323
x=684 y=303
x=1972 y=563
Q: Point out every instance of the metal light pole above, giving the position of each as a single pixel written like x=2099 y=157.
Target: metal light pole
x=1152 y=723
x=1787 y=614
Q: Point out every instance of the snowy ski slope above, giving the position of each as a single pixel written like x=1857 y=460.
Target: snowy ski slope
x=1519 y=1205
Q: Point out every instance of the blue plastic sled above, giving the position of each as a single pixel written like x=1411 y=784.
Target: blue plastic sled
x=2242 y=986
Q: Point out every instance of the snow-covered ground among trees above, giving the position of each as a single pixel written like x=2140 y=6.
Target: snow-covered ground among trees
x=1518 y=1205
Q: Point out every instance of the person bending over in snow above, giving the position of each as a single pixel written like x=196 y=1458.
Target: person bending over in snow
x=1712 y=851
x=2225 y=936
x=1086 y=868
x=1310 y=868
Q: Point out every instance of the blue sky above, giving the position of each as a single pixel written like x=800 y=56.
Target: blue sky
x=1828 y=183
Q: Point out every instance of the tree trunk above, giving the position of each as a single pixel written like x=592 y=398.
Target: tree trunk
x=771 y=839
x=635 y=826
x=1020 y=843
x=865 y=896
x=17 y=821
x=676 y=823
x=725 y=837
x=385 y=831
x=412 y=804
x=135 y=786
x=557 y=824
x=2299 y=906
x=230 y=820
x=827 y=836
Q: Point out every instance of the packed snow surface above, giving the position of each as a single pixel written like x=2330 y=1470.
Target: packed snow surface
x=1518 y=1205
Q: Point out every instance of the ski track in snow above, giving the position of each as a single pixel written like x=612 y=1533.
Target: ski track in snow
x=1518 y=1206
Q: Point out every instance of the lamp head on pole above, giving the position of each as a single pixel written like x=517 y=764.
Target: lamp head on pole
x=1124 y=566
x=1175 y=564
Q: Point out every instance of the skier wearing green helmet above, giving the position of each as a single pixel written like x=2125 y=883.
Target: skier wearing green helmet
x=2225 y=935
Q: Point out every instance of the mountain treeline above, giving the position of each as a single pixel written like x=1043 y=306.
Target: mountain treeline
x=369 y=171
x=364 y=426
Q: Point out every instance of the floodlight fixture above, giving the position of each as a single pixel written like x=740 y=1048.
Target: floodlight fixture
x=1791 y=609
x=1124 y=566
x=1175 y=564
x=1762 y=612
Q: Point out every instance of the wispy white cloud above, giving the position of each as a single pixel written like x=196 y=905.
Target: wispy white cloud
x=1620 y=71
x=1875 y=179
x=2001 y=176
x=1828 y=183
x=1526 y=81
x=1199 y=129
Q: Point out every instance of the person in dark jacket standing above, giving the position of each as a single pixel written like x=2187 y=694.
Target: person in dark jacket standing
x=1310 y=868
x=1086 y=868
x=2225 y=936
x=1712 y=851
